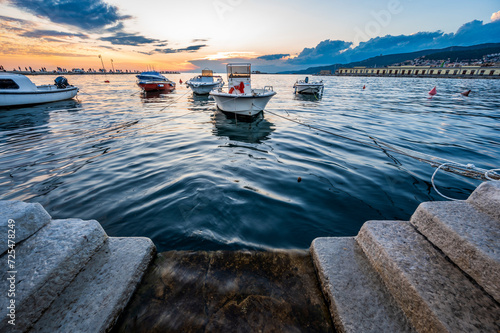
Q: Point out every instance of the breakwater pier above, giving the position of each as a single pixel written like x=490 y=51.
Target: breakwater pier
x=437 y=272
x=462 y=72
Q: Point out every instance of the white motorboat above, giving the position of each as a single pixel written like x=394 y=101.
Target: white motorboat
x=17 y=89
x=206 y=82
x=240 y=98
x=306 y=87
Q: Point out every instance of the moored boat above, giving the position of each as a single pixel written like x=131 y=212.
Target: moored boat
x=154 y=81
x=206 y=82
x=241 y=98
x=17 y=89
x=306 y=87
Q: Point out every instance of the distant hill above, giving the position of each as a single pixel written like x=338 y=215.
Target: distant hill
x=452 y=52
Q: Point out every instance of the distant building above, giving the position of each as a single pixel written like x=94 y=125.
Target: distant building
x=325 y=72
x=471 y=71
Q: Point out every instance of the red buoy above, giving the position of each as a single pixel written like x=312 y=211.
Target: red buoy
x=180 y=81
x=364 y=87
x=433 y=91
x=106 y=81
x=466 y=93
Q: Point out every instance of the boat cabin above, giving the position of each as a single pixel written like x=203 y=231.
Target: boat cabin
x=16 y=82
x=238 y=76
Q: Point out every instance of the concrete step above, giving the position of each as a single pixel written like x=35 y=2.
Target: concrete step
x=45 y=264
x=27 y=218
x=358 y=299
x=434 y=293
x=96 y=297
x=486 y=198
x=468 y=236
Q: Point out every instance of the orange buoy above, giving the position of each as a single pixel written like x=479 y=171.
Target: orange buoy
x=433 y=91
x=465 y=93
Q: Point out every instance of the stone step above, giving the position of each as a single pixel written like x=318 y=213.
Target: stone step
x=486 y=198
x=358 y=299
x=96 y=297
x=469 y=237
x=434 y=293
x=45 y=264
x=27 y=218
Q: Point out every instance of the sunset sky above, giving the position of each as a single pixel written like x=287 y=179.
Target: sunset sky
x=273 y=35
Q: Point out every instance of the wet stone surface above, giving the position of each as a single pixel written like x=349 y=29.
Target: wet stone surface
x=228 y=292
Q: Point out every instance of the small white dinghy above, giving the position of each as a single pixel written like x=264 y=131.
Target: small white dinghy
x=206 y=82
x=17 y=89
x=306 y=87
x=241 y=99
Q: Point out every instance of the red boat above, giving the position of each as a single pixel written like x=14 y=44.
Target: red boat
x=154 y=81
x=157 y=85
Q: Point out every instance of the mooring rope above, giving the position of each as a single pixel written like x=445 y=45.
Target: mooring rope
x=467 y=170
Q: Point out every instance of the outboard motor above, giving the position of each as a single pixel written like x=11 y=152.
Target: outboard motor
x=61 y=82
x=306 y=80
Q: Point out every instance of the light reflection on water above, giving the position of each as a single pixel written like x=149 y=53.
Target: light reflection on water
x=173 y=168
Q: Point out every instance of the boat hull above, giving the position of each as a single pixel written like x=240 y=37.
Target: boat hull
x=156 y=86
x=245 y=105
x=202 y=89
x=308 y=89
x=36 y=97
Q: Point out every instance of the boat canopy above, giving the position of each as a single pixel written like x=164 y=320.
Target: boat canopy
x=239 y=70
x=16 y=82
x=207 y=72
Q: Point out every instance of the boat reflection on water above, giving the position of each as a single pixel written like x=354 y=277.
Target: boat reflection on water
x=308 y=97
x=200 y=100
x=249 y=130
x=155 y=97
x=35 y=116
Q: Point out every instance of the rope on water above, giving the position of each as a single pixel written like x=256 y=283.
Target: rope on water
x=467 y=170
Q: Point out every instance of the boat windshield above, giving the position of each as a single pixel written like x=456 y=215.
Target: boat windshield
x=238 y=70
x=207 y=72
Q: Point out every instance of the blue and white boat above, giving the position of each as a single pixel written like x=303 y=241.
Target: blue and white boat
x=206 y=82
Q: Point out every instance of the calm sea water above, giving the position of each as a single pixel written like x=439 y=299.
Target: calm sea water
x=173 y=168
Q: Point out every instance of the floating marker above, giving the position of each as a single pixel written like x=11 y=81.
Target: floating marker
x=433 y=91
x=466 y=93
x=364 y=87
x=106 y=81
x=180 y=81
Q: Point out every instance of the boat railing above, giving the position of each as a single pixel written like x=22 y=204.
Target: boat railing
x=268 y=88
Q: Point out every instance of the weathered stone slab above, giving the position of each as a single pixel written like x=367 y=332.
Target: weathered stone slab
x=46 y=263
x=434 y=294
x=96 y=297
x=228 y=292
x=486 y=197
x=28 y=218
x=359 y=301
x=470 y=238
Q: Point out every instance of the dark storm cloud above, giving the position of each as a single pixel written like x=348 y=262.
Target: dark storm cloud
x=124 y=38
x=85 y=14
x=273 y=56
x=51 y=33
x=189 y=49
